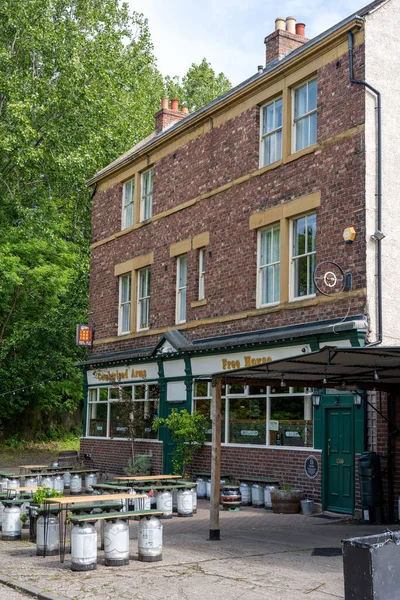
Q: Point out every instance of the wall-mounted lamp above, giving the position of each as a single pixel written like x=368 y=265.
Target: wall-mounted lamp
x=316 y=399
x=357 y=399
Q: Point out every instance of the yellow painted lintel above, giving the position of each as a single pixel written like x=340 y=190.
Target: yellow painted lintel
x=323 y=52
x=134 y=263
x=319 y=300
x=201 y=240
x=257 y=173
x=180 y=247
x=285 y=211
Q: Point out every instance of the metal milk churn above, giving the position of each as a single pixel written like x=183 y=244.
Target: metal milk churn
x=11 y=526
x=164 y=503
x=257 y=495
x=47 y=536
x=58 y=483
x=245 y=491
x=267 y=496
x=76 y=483
x=90 y=479
x=201 y=488
x=208 y=489
x=194 y=499
x=47 y=482
x=116 y=543
x=67 y=479
x=150 y=539
x=31 y=481
x=83 y=547
x=185 y=503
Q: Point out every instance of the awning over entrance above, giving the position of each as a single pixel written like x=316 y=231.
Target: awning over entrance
x=331 y=367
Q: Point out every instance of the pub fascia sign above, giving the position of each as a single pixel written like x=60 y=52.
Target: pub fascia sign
x=247 y=360
x=121 y=375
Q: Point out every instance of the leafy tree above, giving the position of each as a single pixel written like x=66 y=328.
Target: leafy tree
x=78 y=86
x=189 y=433
x=198 y=87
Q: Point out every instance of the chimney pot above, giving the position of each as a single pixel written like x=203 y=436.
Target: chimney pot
x=291 y=24
x=260 y=68
x=164 y=103
x=279 y=23
x=185 y=110
x=174 y=104
x=301 y=29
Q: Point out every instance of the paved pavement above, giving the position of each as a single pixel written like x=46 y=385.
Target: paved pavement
x=8 y=594
x=261 y=556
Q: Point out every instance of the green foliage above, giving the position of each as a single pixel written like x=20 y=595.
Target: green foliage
x=140 y=465
x=189 y=433
x=198 y=87
x=42 y=493
x=23 y=517
x=78 y=86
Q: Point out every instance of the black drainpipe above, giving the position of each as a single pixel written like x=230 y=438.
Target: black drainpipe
x=379 y=186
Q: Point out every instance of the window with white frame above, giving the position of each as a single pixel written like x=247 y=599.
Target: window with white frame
x=181 y=285
x=143 y=299
x=146 y=197
x=304 y=233
x=257 y=415
x=268 y=280
x=124 y=321
x=128 y=197
x=110 y=408
x=202 y=273
x=305 y=115
x=271 y=132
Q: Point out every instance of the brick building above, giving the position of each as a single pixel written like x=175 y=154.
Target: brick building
x=205 y=239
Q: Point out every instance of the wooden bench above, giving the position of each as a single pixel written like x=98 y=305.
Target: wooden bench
x=266 y=480
x=114 y=515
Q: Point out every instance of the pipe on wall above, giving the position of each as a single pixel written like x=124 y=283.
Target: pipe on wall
x=379 y=185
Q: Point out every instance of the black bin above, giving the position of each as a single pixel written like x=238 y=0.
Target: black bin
x=371 y=567
x=369 y=470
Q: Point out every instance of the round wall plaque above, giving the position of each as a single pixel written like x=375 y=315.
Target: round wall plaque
x=311 y=467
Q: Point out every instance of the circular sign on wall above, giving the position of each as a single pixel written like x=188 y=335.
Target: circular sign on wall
x=311 y=467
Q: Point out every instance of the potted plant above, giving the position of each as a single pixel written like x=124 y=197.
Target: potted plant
x=188 y=432
x=286 y=500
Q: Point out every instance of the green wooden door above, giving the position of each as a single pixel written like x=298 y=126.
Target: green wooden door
x=339 y=460
x=169 y=444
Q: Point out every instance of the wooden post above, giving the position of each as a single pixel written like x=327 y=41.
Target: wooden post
x=215 y=459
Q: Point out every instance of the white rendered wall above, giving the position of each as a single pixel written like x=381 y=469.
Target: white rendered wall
x=382 y=47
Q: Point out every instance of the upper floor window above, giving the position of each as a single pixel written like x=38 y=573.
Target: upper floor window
x=268 y=281
x=128 y=196
x=303 y=255
x=181 y=284
x=202 y=273
x=124 y=322
x=305 y=115
x=146 y=201
x=143 y=300
x=271 y=132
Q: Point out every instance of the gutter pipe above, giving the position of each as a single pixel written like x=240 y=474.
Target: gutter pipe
x=379 y=186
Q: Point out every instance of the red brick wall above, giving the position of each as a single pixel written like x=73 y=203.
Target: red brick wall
x=216 y=158
x=287 y=465
x=280 y=43
x=113 y=455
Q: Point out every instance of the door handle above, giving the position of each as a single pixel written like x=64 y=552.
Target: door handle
x=329 y=447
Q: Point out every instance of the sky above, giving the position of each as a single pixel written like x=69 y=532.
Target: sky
x=229 y=33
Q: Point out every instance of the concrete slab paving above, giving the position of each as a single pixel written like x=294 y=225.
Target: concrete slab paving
x=260 y=556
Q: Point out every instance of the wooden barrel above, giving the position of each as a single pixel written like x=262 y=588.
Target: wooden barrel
x=286 y=502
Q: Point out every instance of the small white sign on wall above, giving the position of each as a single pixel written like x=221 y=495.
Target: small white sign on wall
x=274 y=425
x=176 y=391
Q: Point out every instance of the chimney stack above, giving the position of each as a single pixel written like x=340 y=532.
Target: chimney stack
x=288 y=36
x=166 y=117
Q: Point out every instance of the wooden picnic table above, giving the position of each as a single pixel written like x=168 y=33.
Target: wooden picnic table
x=64 y=502
x=22 y=489
x=147 y=477
x=33 y=467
